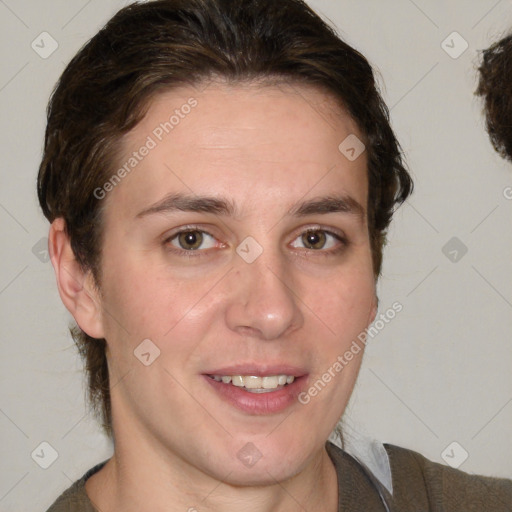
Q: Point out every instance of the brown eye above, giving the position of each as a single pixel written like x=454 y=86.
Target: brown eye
x=190 y=240
x=314 y=239
x=320 y=240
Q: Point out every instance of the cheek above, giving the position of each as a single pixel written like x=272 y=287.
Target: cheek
x=142 y=301
x=345 y=304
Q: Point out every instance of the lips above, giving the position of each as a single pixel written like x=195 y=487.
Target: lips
x=236 y=385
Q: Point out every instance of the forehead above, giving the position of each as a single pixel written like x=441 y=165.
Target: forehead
x=269 y=144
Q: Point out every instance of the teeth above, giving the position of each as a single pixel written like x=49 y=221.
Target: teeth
x=237 y=381
x=270 y=382
x=254 y=383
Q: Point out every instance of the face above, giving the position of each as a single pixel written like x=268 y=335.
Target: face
x=238 y=245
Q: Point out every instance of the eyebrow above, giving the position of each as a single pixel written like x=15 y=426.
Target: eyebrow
x=222 y=206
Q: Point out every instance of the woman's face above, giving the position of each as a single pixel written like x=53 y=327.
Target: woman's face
x=237 y=243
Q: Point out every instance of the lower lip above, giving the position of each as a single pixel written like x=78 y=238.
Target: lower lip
x=259 y=403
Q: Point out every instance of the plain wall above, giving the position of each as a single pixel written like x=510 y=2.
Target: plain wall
x=438 y=372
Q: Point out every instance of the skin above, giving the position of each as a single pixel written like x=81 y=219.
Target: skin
x=265 y=149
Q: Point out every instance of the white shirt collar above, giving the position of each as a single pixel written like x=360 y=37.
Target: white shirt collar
x=368 y=452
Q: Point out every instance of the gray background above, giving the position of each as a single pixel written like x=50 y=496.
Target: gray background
x=438 y=373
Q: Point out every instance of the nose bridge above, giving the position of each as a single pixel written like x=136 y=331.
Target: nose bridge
x=262 y=301
x=267 y=276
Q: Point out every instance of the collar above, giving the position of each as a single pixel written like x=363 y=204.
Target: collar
x=371 y=454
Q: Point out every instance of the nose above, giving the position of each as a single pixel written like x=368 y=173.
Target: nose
x=262 y=302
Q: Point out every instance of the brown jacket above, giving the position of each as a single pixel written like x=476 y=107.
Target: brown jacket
x=419 y=485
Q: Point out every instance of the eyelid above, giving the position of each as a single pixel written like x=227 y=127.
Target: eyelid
x=337 y=232
x=169 y=235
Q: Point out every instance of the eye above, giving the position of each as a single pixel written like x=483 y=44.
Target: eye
x=318 y=239
x=192 y=240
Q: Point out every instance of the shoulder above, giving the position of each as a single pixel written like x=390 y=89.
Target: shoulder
x=442 y=487
x=75 y=499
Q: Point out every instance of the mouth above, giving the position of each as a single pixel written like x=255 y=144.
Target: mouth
x=260 y=391
x=255 y=383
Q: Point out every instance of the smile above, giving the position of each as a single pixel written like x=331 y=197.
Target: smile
x=258 y=394
x=255 y=384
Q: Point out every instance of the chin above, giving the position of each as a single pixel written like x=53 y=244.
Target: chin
x=265 y=461
x=262 y=473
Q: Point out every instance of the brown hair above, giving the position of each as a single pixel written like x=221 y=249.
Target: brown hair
x=494 y=86
x=149 y=47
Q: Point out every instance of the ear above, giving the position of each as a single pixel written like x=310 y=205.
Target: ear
x=373 y=309
x=76 y=287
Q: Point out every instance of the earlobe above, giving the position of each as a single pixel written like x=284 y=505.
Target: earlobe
x=76 y=287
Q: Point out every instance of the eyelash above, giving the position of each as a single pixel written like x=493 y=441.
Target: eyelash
x=199 y=253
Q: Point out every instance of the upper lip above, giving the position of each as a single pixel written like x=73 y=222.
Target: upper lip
x=259 y=370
